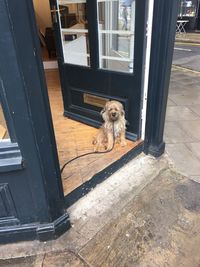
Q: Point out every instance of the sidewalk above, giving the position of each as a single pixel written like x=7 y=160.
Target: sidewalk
x=182 y=127
x=188 y=38
x=145 y=215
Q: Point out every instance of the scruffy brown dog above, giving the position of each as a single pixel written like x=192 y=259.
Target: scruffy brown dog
x=113 y=115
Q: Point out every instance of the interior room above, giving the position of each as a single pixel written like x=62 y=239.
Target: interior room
x=116 y=42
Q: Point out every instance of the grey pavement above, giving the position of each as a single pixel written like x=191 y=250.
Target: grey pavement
x=144 y=215
x=182 y=127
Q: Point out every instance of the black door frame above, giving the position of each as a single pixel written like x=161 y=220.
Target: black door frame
x=162 y=46
x=32 y=200
x=71 y=87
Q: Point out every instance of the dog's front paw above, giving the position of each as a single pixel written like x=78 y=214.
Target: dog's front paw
x=123 y=143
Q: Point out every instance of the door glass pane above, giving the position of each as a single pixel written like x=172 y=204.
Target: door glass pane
x=116 y=23
x=74 y=31
x=188 y=8
x=4 y=134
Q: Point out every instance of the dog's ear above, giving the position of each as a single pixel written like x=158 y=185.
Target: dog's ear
x=122 y=113
x=102 y=111
x=122 y=110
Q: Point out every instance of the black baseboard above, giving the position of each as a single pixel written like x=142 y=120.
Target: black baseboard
x=42 y=232
x=98 y=178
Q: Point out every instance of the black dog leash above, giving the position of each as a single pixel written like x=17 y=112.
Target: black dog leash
x=91 y=153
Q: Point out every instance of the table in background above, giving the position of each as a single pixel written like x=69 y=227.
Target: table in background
x=180 y=26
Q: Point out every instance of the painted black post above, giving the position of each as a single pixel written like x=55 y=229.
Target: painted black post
x=31 y=193
x=163 y=34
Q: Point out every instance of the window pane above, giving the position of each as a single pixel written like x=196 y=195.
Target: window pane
x=188 y=8
x=74 y=32
x=118 y=59
x=4 y=134
x=116 y=19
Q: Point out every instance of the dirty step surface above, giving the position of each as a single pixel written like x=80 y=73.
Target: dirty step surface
x=158 y=227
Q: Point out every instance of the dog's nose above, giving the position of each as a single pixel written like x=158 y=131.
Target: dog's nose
x=113 y=114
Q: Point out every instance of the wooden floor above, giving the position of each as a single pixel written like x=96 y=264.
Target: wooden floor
x=4 y=134
x=74 y=138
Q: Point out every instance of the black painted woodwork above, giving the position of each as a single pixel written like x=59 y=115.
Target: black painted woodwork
x=163 y=35
x=31 y=193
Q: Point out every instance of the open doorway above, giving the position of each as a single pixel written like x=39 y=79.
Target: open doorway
x=45 y=33
x=75 y=138
x=116 y=41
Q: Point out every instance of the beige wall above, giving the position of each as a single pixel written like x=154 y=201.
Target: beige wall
x=43 y=14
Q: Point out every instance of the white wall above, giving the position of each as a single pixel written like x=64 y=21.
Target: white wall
x=43 y=14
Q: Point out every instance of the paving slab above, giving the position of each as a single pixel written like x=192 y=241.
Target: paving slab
x=184 y=159
x=157 y=228
x=145 y=215
x=50 y=259
x=192 y=128
x=180 y=113
x=62 y=259
x=182 y=127
x=194 y=148
x=175 y=134
x=195 y=108
x=185 y=99
x=19 y=262
x=170 y=102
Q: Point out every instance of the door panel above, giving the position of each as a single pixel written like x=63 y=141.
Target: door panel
x=101 y=55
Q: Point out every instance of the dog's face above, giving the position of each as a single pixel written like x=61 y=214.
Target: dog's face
x=112 y=111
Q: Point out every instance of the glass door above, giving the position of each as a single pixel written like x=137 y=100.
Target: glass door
x=101 y=44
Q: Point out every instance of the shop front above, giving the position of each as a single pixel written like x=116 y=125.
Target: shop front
x=106 y=50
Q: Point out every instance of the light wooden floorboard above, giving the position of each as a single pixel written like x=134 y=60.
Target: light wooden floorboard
x=74 y=138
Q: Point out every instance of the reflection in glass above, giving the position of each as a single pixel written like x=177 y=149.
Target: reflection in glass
x=116 y=20
x=188 y=8
x=4 y=134
x=74 y=31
